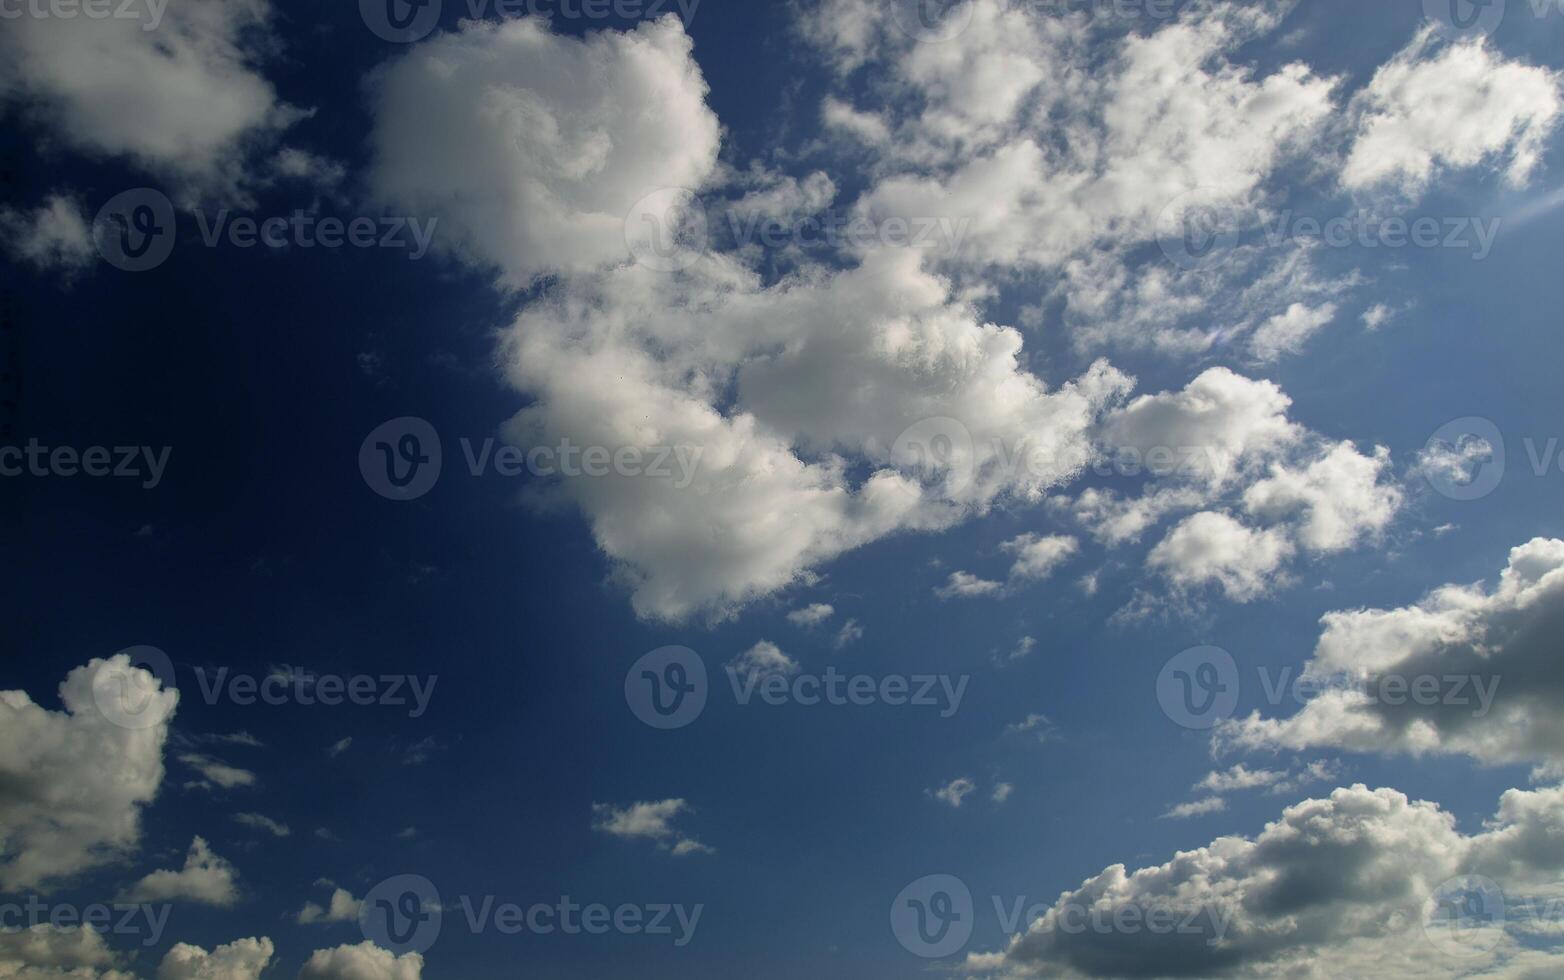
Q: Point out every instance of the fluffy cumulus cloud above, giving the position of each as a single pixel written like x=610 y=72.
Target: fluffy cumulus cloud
x=242 y=959
x=366 y=961
x=648 y=821
x=1438 y=106
x=45 y=953
x=75 y=780
x=205 y=878
x=181 y=96
x=1467 y=670
x=1212 y=548
x=769 y=393
x=531 y=148
x=342 y=907
x=1347 y=885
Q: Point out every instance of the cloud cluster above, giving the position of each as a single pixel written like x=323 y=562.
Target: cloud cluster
x=649 y=821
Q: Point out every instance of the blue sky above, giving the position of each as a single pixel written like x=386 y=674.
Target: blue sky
x=875 y=327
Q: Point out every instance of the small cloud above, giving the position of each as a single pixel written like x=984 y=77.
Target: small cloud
x=343 y=907
x=338 y=747
x=649 y=821
x=1196 y=808
x=407 y=833
x=1036 y=725
x=1002 y=792
x=764 y=659
x=955 y=792
x=217 y=772
x=205 y=879
x=849 y=634
x=811 y=615
x=964 y=585
x=256 y=821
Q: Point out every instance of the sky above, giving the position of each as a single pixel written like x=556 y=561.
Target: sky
x=994 y=489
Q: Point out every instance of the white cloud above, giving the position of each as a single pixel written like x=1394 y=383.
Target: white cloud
x=1039 y=726
x=43 y=952
x=1437 y=106
x=183 y=101
x=1211 y=548
x=242 y=959
x=1037 y=556
x=55 y=235
x=532 y=147
x=205 y=878
x=366 y=961
x=1340 y=496
x=965 y=585
x=342 y=907
x=650 y=821
x=955 y=792
x=850 y=633
x=1196 y=808
x=811 y=615
x=76 y=781
x=1002 y=792
x=764 y=659
x=258 y=821
x=1340 y=886
x=1288 y=331
x=339 y=746
x=216 y=771
x=1497 y=645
